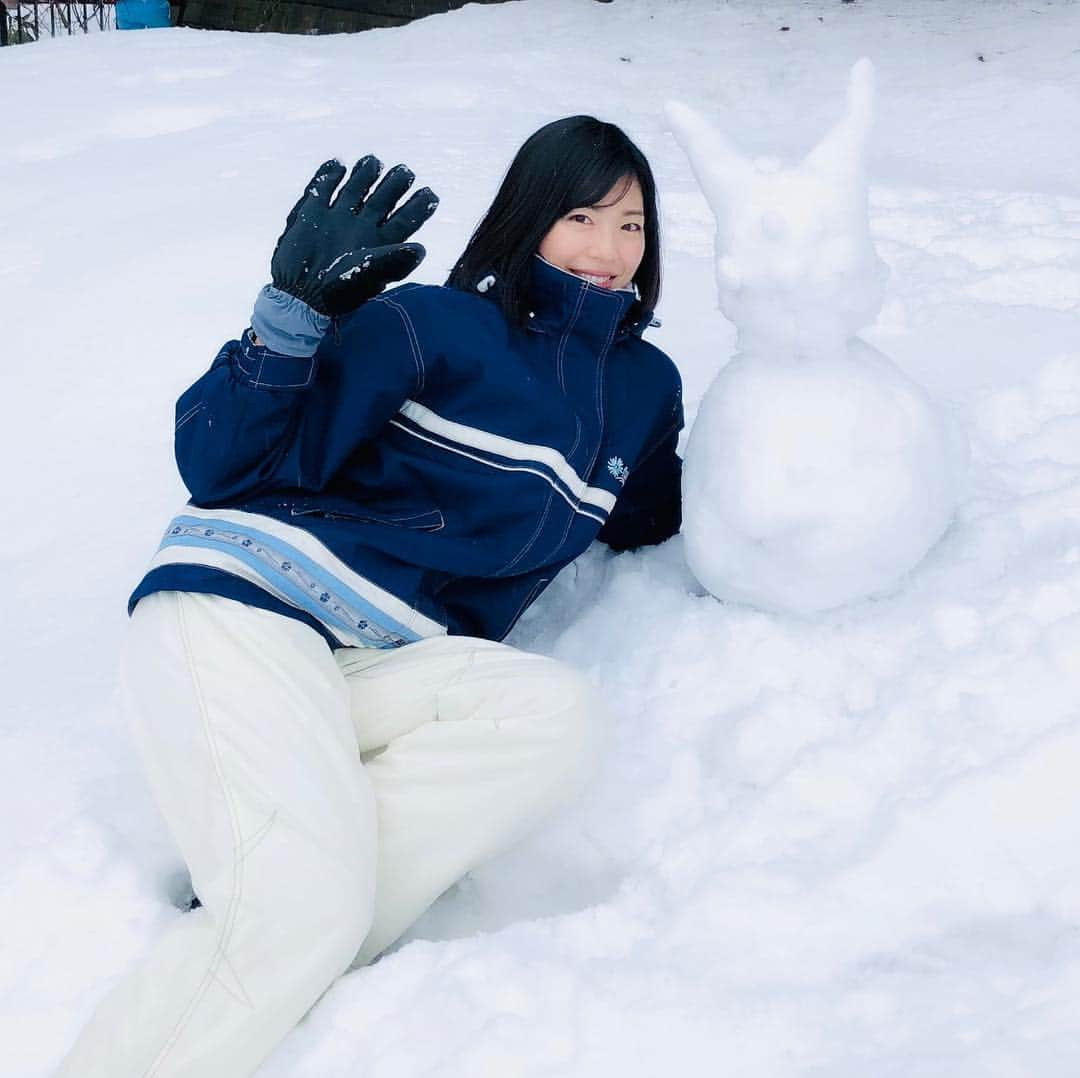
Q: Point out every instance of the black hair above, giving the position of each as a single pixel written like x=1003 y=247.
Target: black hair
x=567 y=164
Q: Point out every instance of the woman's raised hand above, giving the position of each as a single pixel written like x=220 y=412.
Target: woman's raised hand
x=336 y=253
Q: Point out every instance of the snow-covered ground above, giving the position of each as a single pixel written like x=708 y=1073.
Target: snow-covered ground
x=839 y=845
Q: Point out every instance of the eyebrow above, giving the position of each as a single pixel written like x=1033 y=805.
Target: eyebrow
x=608 y=205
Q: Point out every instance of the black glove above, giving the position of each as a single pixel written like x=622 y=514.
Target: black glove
x=334 y=256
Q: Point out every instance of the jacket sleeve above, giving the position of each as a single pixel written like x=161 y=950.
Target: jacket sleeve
x=260 y=420
x=649 y=509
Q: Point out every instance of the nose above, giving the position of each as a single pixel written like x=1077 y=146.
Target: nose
x=603 y=247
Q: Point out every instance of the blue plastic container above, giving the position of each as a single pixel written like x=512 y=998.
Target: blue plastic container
x=141 y=14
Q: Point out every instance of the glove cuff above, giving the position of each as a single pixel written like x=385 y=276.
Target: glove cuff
x=287 y=325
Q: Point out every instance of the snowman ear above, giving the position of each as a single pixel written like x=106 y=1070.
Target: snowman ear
x=720 y=169
x=843 y=148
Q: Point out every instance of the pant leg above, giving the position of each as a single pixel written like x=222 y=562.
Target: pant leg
x=241 y=719
x=468 y=745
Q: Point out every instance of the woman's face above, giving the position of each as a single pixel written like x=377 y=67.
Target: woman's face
x=604 y=243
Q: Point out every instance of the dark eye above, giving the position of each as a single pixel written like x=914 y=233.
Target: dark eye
x=579 y=218
x=632 y=226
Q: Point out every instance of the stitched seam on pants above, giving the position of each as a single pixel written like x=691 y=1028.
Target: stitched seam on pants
x=229 y=921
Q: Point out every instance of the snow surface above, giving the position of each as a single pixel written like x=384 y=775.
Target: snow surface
x=817 y=472
x=841 y=845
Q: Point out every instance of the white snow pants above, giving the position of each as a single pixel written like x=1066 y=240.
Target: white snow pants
x=304 y=852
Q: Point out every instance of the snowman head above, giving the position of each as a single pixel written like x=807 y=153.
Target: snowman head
x=796 y=270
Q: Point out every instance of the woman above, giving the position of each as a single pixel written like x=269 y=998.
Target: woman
x=397 y=476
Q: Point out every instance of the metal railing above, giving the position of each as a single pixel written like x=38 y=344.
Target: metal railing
x=32 y=20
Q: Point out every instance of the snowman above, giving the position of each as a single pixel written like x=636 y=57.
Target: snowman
x=816 y=473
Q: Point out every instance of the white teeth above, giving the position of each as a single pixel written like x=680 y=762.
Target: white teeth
x=593 y=279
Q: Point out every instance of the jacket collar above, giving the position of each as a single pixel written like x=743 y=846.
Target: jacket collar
x=560 y=299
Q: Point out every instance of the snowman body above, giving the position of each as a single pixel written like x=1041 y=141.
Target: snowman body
x=810 y=484
x=816 y=473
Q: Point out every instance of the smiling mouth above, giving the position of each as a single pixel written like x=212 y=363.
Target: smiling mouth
x=604 y=280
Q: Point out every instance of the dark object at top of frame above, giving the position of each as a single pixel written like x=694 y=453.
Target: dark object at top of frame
x=310 y=17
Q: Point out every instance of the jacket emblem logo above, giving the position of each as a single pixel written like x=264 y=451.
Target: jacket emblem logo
x=618 y=469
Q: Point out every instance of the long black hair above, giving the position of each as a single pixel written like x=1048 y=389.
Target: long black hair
x=567 y=164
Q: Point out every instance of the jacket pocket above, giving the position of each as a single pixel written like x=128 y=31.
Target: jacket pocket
x=425 y=520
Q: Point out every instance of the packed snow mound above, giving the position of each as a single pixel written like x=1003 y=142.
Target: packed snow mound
x=795 y=264
x=817 y=473
x=811 y=485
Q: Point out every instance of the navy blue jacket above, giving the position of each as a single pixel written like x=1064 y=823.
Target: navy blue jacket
x=431 y=467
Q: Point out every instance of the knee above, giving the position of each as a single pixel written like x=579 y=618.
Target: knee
x=573 y=694
x=305 y=899
x=321 y=883
x=334 y=905
x=577 y=717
